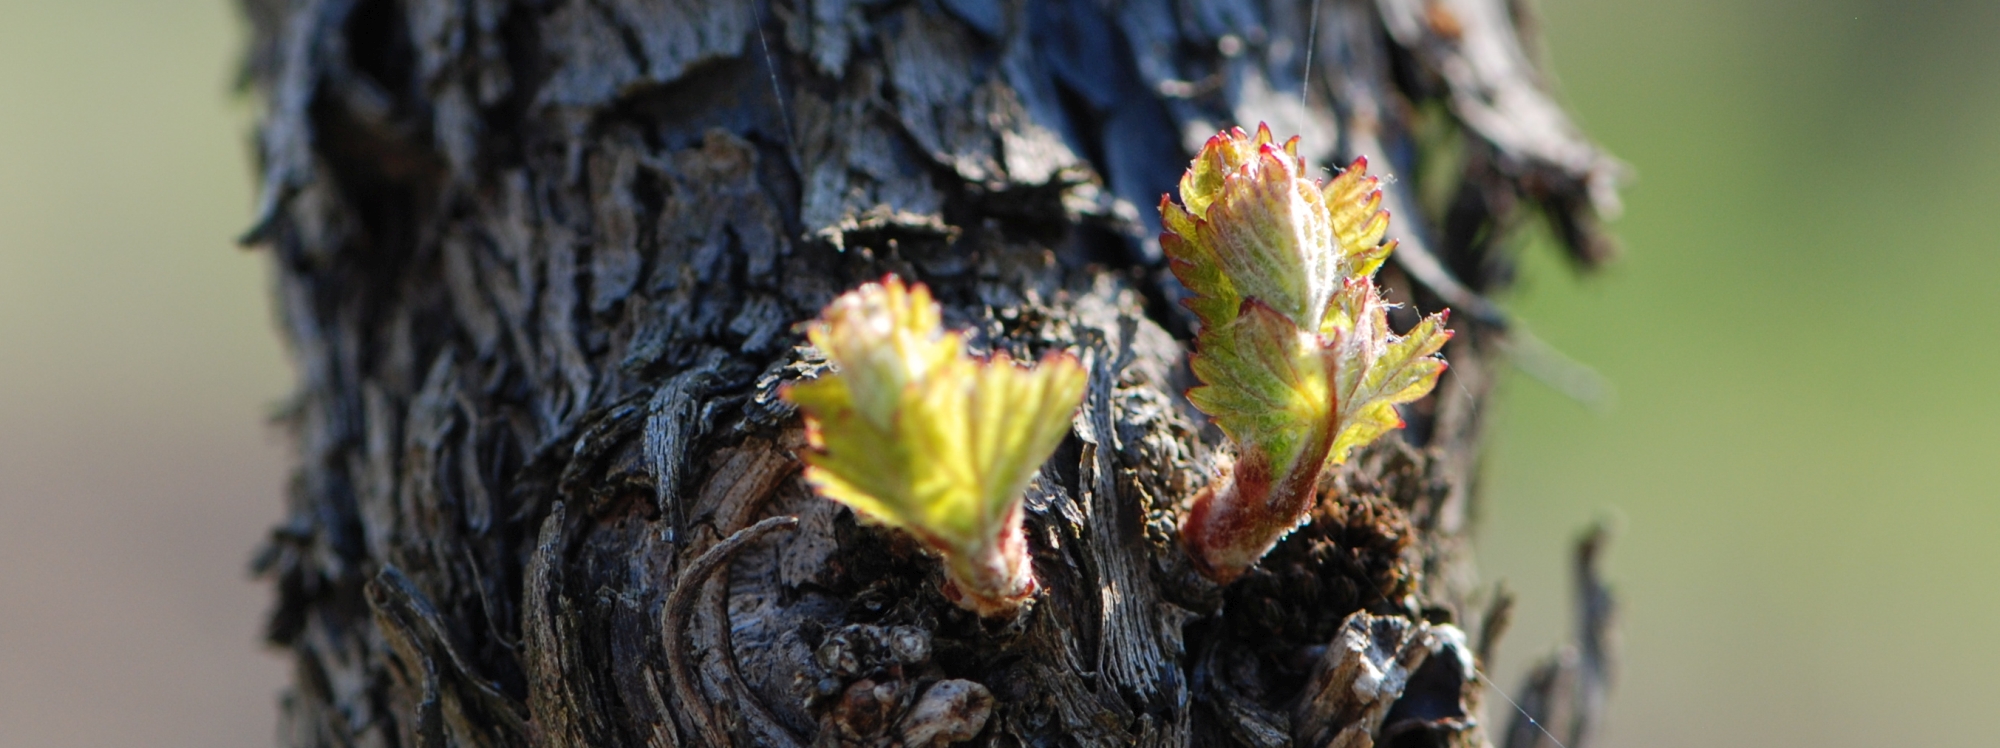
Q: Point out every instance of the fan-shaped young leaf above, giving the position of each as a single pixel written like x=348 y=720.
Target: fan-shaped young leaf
x=913 y=433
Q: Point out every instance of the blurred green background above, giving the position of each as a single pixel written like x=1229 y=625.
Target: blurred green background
x=1801 y=334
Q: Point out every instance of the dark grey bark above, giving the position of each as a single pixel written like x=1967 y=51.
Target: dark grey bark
x=539 y=262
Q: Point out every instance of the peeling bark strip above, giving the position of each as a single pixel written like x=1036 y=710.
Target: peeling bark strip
x=540 y=261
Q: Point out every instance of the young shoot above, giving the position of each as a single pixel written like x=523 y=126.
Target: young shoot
x=1295 y=357
x=912 y=432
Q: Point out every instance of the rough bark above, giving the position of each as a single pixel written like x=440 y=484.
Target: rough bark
x=539 y=262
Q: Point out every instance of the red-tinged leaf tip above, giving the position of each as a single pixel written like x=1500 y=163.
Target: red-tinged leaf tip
x=1294 y=355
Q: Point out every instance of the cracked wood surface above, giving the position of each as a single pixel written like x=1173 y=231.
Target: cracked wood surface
x=539 y=263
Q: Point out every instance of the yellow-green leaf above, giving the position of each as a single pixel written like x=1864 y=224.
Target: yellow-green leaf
x=1354 y=203
x=1401 y=370
x=1267 y=385
x=911 y=432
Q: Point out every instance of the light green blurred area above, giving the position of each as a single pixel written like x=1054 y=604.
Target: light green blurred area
x=137 y=360
x=1802 y=334
x=1803 y=337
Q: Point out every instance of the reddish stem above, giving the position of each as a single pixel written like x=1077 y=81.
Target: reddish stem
x=1239 y=516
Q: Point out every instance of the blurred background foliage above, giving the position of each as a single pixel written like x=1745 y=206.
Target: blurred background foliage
x=1801 y=332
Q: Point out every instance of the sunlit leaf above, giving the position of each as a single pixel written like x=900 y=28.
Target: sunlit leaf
x=1296 y=359
x=911 y=432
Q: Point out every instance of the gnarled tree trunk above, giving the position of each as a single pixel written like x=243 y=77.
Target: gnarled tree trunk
x=540 y=263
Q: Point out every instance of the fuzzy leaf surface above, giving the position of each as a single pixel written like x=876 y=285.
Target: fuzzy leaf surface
x=1267 y=385
x=1297 y=363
